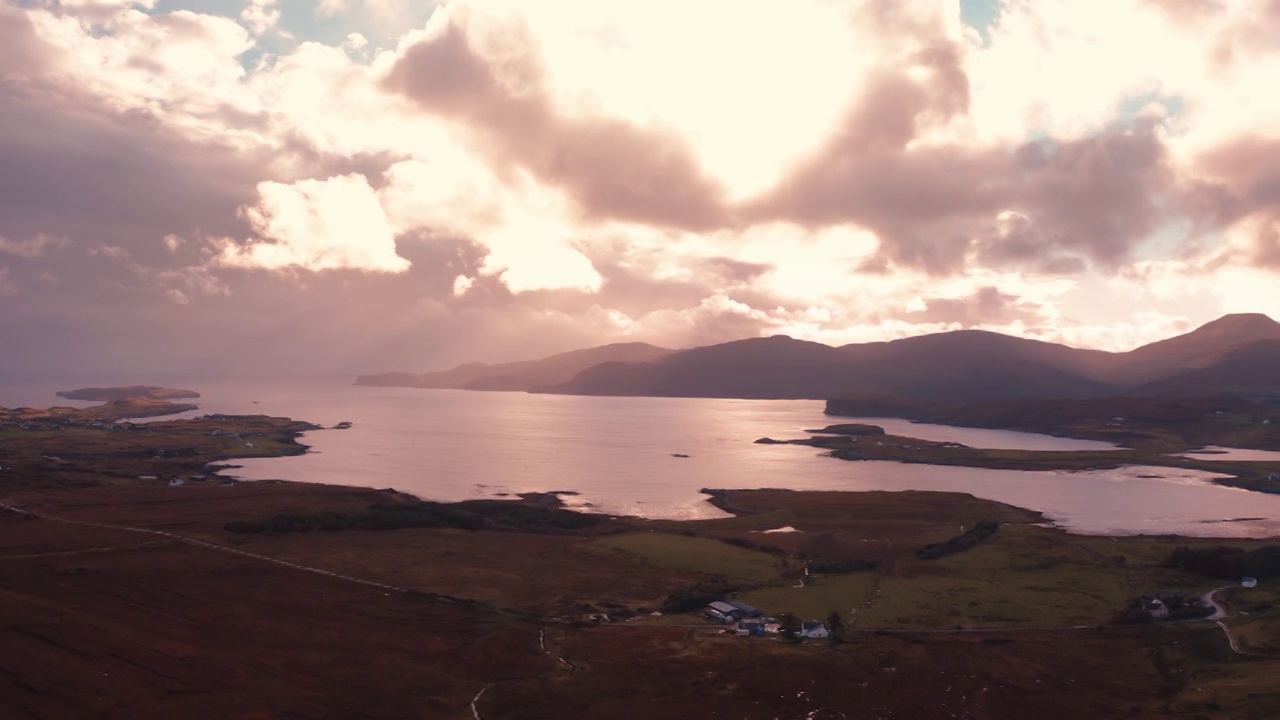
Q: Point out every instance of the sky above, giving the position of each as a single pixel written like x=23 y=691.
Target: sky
x=341 y=186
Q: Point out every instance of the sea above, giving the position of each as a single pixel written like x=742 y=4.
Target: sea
x=652 y=457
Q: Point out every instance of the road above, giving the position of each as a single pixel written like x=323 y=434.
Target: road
x=1219 y=612
x=1219 y=615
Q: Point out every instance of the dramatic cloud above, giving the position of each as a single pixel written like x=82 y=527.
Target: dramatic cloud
x=358 y=185
x=614 y=169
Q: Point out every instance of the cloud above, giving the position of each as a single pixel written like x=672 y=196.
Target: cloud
x=386 y=17
x=612 y=168
x=1238 y=188
x=987 y=306
x=32 y=247
x=317 y=225
x=1098 y=196
x=260 y=16
x=7 y=288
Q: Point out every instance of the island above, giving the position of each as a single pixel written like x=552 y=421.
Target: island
x=132 y=392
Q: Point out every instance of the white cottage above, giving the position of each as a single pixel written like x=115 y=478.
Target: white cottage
x=814 y=630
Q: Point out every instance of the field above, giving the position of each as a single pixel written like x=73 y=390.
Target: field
x=818 y=598
x=1256 y=619
x=1023 y=576
x=681 y=553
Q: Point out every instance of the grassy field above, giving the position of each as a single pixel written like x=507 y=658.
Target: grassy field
x=1026 y=576
x=699 y=555
x=818 y=598
x=1256 y=617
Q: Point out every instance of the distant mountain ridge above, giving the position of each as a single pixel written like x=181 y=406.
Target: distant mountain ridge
x=524 y=375
x=1233 y=354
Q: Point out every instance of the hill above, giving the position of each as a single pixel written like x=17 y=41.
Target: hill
x=955 y=367
x=772 y=367
x=1201 y=348
x=1249 y=371
x=520 y=376
x=1232 y=355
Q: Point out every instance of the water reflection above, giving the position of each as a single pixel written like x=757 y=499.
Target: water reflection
x=617 y=452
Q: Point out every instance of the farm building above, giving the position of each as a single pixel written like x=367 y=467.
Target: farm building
x=722 y=612
x=745 y=609
x=1248 y=582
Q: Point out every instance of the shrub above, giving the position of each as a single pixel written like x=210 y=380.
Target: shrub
x=1227 y=563
x=959 y=543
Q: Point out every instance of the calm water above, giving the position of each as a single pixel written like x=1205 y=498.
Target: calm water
x=617 y=452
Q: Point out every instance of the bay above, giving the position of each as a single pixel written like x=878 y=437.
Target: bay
x=617 y=454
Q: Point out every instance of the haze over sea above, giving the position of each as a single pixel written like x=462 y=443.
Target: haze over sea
x=617 y=454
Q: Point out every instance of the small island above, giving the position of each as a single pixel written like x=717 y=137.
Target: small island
x=850 y=429
x=131 y=392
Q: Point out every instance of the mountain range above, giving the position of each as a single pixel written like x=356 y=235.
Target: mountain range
x=1234 y=355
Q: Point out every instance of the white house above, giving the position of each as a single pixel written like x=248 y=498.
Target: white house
x=814 y=630
x=1248 y=582
x=1157 y=608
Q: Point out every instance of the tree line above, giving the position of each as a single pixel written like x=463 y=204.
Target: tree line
x=1227 y=563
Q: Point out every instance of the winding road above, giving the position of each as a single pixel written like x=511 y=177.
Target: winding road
x=1219 y=612
x=1219 y=615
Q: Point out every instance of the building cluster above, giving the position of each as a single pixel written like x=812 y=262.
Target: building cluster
x=747 y=621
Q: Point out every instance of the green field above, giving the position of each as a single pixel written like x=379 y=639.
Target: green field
x=1255 y=617
x=692 y=554
x=817 y=599
x=1023 y=576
